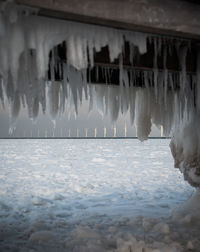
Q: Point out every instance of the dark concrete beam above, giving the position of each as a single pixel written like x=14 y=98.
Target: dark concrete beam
x=170 y=17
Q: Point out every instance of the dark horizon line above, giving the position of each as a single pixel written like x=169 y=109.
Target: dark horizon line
x=81 y=137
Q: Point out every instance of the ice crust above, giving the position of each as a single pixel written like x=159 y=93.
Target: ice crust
x=104 y=198
x=26 y=41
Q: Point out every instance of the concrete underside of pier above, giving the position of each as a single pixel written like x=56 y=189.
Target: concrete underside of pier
x=171 y=17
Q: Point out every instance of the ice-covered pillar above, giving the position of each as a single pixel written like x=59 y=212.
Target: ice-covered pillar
x=185 y=148
x=185 y=143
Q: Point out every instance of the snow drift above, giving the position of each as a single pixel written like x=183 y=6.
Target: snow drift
x=165 y=98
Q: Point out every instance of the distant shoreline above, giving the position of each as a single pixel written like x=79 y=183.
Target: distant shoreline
x=81 y=138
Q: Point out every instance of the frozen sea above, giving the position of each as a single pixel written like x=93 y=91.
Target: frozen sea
x=92 y=195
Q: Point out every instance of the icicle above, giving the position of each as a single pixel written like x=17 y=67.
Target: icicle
x=15 y=106
x=165 y=74
x=155 y=67
x=198 y=81
x=146 y=82
x=99 y=91
x=160 y=88
x=62 y=98
x=159 y=46
x=104 y=132
x=114 y=103
x=124 y=92
x=1 y=92
x=91 y=95
x=30 y=39
x=142 y=117
x=16 y=47
x=106 y=100
x=182 y=53
x=52 y=65
x=54 y=88
x=121 y=70
x=115 y=44
x=131 y=56
x=137 y=39
x=35 y=109
x=132 y=94
x=75 y=82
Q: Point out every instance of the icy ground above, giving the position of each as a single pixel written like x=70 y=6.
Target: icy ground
x=92 y=195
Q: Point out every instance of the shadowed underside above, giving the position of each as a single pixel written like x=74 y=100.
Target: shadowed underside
x=171 y=17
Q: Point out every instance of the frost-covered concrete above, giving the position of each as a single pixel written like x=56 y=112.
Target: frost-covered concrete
x=169 y=17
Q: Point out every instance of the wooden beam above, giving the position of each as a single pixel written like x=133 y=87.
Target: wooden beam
x=171 y=17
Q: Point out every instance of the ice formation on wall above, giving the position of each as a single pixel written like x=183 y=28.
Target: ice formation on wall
x=28 y=51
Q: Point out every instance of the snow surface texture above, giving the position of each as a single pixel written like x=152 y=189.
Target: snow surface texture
x=94 y=195
x=25 y=44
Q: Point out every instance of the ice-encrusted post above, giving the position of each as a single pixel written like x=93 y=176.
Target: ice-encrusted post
x=185 y=148
x=185 y=143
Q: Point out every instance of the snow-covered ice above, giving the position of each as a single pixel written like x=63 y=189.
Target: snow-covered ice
x=93 y=195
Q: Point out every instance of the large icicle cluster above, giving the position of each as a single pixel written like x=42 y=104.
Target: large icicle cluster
x=26 y=43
